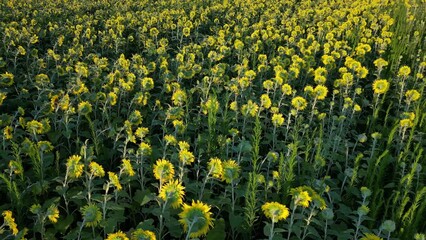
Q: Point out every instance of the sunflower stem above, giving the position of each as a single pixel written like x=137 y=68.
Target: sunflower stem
x=291 y=221
x=271 y=233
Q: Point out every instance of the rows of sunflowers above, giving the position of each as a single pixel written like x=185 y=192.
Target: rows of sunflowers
x=194 y=119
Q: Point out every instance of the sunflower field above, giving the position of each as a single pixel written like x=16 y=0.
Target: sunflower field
x=213 y=119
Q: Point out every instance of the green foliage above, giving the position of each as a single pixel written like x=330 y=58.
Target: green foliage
x=210 y=119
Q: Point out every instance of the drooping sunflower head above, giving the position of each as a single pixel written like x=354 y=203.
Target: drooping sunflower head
x=380 y=86
x=186 y=157
x=117 y=236
x=215 y=167
x=173 y=193
x=231 y=171
x=277 y=119
x=53 y=213
x=320 y=92
x=196 y=218
x=113 y=178
x=141 y=234
x=299 y=103
x=74 y=167
x=10 y=222
x=412 y=95
x=371 y=236
x=303 y=196
x=275 y=211
x=127 y=167
x=91 y=215
x=163 y=170
x=404 y=71
x=96 y=170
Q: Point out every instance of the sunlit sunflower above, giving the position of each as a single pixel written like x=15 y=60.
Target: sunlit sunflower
x=320 y=92
x=412 y=95
x=215 y=167
x=117 y=236
x=113 y=178
x=141 y=234
x=277 y=119
x=231 y=171
x=53 y=213
x=96 y=170
x=10 y=222
x=299 y=103
x=173 y=193
x=91 y=215
x=275 y=211
x=127 y=167
x=163 y=170
x=371 y=236
x=380 y=86
x=301 y=197
x=196 y=218
x=74 y=167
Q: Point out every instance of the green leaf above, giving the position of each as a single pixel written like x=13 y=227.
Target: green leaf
x=236 y=221
x=147 y=225
x=143 y=197
x=267 y=229
x=218 y=232
x=63 y=224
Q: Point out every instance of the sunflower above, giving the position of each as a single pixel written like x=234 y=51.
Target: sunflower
x=215 y=167
x=276 y=211
x=277 y=119
x=141 y=234
x=74 y=167
x=127 y=167
x=8 y=132
x=404 y=71
x=301 y=197
x=53 y=213
x=196 y=218
x=231 y=171
x=380 y=86
x=91 y=215
x=412 y=95
x=96 y=169
x=286 y=89
x=117 y=236
x=186 y=157
x=370 y=236
x=84 y=108
x=113 y=178
x=173 y=193
x=10 y=222
x=320 y=92
x=299 y=103
x=265 y=101
x=163 y=170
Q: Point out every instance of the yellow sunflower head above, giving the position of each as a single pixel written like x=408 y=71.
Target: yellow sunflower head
x=371 y=236
x=299 y=103
x=231 y=171
x=141 y=234
x=173 y=193
x=53 y=213
x=91 y=215
x=163 y=170
x=117 y=236
x=320 y=92
x=275 y=211
x=196 y=218
x=215 y=167
x=412 y=95
x=380 y=86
